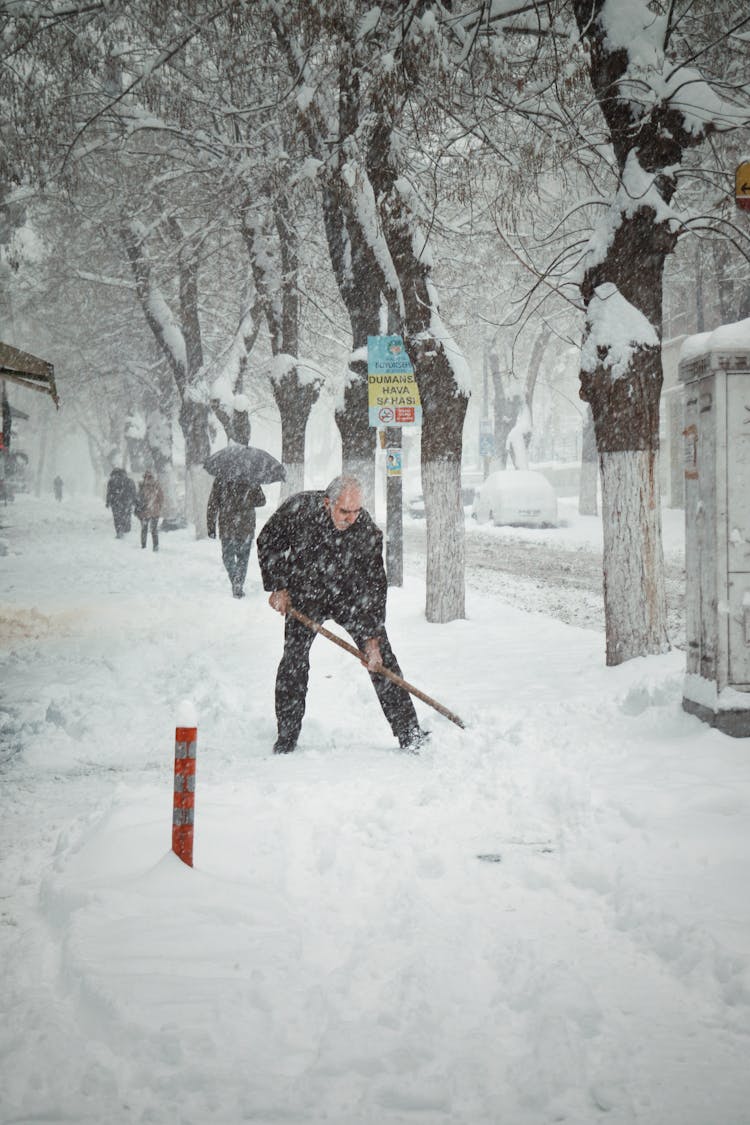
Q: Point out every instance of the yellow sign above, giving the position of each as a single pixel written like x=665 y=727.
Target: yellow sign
x=392 y=392
x=742 y=186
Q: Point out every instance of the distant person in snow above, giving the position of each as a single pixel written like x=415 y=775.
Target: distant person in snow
x=57 y=485
x=121 y=497
x=148 y=508
x=232 y=503
x=322 y=554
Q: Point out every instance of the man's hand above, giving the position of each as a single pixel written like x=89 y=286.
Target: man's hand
x=372 y=661
x=280 y=601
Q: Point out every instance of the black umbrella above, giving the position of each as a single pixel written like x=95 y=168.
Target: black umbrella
x=245 y=463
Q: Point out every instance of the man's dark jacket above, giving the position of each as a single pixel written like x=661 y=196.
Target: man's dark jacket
x=121 y=492
x=234 y=502
x=338 y=574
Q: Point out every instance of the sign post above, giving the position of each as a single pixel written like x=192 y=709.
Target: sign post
x=394 y=509
x=393 y=402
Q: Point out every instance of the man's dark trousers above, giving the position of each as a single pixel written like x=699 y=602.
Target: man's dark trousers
x=235 y=554
x=151 y=524
x=294 y=670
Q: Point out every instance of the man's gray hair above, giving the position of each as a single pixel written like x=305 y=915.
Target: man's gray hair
x=338 y=484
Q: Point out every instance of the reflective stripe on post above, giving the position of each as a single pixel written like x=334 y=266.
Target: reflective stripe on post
x=183 y=809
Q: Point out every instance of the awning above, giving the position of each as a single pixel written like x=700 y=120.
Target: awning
x=28 y=371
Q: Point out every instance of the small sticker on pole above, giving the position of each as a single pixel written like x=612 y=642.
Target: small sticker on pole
x=393 y=461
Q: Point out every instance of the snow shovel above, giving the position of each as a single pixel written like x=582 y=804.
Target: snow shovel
x=316 y=628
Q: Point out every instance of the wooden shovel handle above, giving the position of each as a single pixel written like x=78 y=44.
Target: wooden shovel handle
x=317 y=628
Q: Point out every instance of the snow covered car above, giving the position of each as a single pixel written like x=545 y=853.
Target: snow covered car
x=520 y=498
x=415 y=504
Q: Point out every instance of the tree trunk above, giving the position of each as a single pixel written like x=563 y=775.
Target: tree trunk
x=733 y=291
x=159 y=442
x=506 y=407
x=623 y=388
x=194 y=426
x=198 y=485
x=275 y=272
x=588 y=484
x=700 y=313
x=634 y=593
x=295 y=401
x=441 y=481
x=443 y=412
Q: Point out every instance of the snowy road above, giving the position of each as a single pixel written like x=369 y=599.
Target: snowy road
x=534 y=571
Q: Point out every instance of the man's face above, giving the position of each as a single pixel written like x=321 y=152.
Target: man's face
x=345 y=510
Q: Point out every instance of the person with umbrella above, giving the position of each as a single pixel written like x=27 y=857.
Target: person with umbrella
x=121 y=498
x=236 y=493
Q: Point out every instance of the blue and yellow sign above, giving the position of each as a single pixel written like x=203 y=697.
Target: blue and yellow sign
x=392 y=392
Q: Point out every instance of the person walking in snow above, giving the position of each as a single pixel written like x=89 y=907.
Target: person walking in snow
x=148 y=508
x=232 y=504
x=121 y=497
x=57 y=485
x=322 y=554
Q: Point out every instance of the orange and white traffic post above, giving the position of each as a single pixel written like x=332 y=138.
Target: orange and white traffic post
x=183 y=808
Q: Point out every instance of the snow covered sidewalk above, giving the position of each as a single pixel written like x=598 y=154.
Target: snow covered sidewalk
x=543 y=918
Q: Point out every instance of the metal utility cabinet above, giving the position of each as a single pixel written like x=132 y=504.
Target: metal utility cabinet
x=715 y=371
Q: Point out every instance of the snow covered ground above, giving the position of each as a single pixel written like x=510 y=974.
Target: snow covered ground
x=543 y=918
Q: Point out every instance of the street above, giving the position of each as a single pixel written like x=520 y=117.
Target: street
x=563 y=582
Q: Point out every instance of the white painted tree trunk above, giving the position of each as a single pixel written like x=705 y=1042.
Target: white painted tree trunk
x=168 y=482
x=295 y=479
x=634 y=593
x=362 y=469
x=198 y=490
x=446 y=554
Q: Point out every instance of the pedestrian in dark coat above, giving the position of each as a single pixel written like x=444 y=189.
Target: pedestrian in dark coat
x=148 y=508
x=322 y=554
x=121 y=497
x=233 y=502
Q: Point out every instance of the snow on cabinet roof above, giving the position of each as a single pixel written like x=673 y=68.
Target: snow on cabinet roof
x=726 y=348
